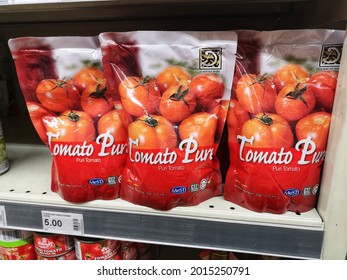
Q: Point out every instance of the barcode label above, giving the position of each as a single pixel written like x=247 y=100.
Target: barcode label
x=10 y=235
x=3 y=222
x=7 y=235
x=60 y=222
x=76 y=225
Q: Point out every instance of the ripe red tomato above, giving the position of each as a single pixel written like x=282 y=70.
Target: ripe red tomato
x=37 y=112
x=112 y=122
x=72 y=126
x=221 y=111
x=139 y=96
x=290 y=74
x=88 y=76
x=96 y=101
x=256 y=93
x=171 y=76
x=87 y=252
x=58 y=95
x=201 y=126
x=295 y=101
x=208 y=90
x=177 y=103
x=316 y=126
x=124 y=116
x=323 y=85
x=236 y=117
x=153 y=132
x=269 y=131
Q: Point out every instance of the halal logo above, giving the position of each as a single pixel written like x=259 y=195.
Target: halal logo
x=210 y=58
x=330 y=56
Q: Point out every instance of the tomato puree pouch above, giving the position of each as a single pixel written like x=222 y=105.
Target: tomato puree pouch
x=279 y=117
x=73 y=112
x=176 y=86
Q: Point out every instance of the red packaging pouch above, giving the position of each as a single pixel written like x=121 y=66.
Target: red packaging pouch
x=279 y=117
x=176 y=86
x=72 y=110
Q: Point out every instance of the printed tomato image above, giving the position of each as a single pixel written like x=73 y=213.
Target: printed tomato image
x=51 y=245
x=277 y=156
x=152 y=132
x=268 y=131
x=222 y=151
x=124 y=116
x=96 y=249
x=178 y=115
x=96 y=101
x=221 y=111
x=37 y=112
x=172 y=76
x=290 y=74
x=88 y=76
x=177 y=103
x=129 y=251
x=256 y=93
x=295 y=101
x=316 y=126
x=34 y=62
x=236 y=117
x=323 y=85
x=119 y=60
x=24 y=252
x=112 y=123
x=139 y=96
x=208 y=89
x=71 y=126
x=199 y=126
x=16 y=245
x=74 y=114
x=58 y=95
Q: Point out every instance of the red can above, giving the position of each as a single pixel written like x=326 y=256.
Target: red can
x=52 y=245
x=129 y=250
x=16 y=245
x=71 y=255
x=96 y=249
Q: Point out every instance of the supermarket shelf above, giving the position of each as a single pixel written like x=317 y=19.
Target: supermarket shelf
x=64 y=11
x=214 y=224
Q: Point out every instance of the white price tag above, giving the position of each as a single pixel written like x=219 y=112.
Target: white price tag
x=60 y=222
x=3 y=221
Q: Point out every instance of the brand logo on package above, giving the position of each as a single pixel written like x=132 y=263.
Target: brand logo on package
x=210 y=59
x=330 y=56
x=178 y=190
x=291 y=192
x=96 y=181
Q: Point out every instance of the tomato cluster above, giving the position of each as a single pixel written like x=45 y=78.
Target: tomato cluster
x=79 y=108
x=284 y=107
x=172 y=106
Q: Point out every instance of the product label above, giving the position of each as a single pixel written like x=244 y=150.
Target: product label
x=97 y=250
x=66 y=223
x=276 y=178
x=305 y=152
x=52 y=244
x=3 y=221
